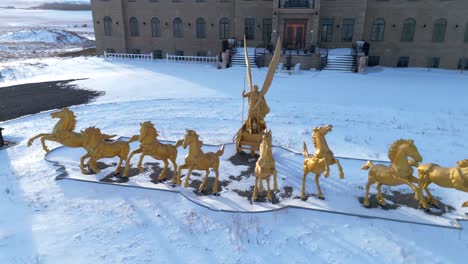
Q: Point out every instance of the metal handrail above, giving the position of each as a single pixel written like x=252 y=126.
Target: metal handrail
x=264 y=44
x=323 y=57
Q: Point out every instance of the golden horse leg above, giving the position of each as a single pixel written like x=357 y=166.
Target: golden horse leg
x=417 y=192
x=162 y=176
x=82 y=163
x=215 y=185
x=205 y=179
x=465 y=204
x=127 y=164
x=93 y=164
x=319 y=190
x=31 y=140
x=380 y=198
x=430 y=198
x=117 y=170
x=48 y=138
x=179 y=172
x=327 y=169
x=270 y=197
x=174 y=176
x=340 y=168
x=255 y=191
x=140 y=163
x=304 y=178
x=366 y=198
x=187 y=178
x=275 y=181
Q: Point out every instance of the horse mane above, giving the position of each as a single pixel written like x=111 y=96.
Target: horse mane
x=315 y=138
x=92 y=129
x=150 y=127
x=394 y=147
x=194 y=134
x=72 y=120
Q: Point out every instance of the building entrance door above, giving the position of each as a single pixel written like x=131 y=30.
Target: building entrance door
x=294 y=34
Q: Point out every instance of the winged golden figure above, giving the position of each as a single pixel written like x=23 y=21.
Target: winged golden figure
x=258 y=107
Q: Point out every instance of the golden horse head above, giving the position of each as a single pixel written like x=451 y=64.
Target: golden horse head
x=462 y=163
x=190 y=137
x=405 y=147
x=68 y=118
x=323 y=130
x=267 y=137
x=148 y=132
x=266 y=141
x=92 y=136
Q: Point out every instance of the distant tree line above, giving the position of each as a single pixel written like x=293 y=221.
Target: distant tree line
x=64 y=6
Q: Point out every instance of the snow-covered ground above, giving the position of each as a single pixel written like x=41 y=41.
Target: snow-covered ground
x=34 y=3
x=50 y=221
x=27 y=33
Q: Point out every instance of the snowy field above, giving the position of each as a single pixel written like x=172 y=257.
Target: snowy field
x=51 y=221
x=27 y=33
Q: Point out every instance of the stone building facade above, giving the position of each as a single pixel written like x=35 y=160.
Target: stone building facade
x=414 y=33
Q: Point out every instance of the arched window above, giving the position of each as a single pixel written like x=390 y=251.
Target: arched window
x=224 y=28
x=107 y=26
x=178 y=30
x=466 y=32
x=409 y=28
x=155 y=27
x=134 y=27
x=201 y=28
x=438 y=33
x=378 y=29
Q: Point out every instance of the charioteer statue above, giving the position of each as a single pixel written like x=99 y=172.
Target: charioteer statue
x=250 y=134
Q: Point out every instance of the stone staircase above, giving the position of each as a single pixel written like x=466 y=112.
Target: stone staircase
x=238 y=60
x=341 y=63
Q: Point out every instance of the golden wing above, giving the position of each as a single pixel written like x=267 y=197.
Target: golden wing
x=247 y=64
x=272 y=67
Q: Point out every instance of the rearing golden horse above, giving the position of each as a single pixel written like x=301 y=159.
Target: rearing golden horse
x=150 y=146
x=320 y=161
x=197 y=160
x=456 y=178
x=398 y=173
x=265 y=168
x=63 y=131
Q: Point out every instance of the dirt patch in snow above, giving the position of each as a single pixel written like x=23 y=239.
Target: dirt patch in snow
x=84 y=52
x=32 y=98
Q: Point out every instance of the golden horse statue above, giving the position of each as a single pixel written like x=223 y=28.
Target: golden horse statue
x=398 y=173
x=150 y=146
x=63 y=131
x=97 y=149
x=320 y=161
x=197 y=160
x=265 y=168
x=456 y=178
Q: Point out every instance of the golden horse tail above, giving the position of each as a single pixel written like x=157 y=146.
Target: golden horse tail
x=179 y=143
x=305 y=153
x=134 y=138
x=367 y=165
x=220 y=152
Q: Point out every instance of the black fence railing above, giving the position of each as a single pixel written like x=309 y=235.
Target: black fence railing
x=296 y=3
